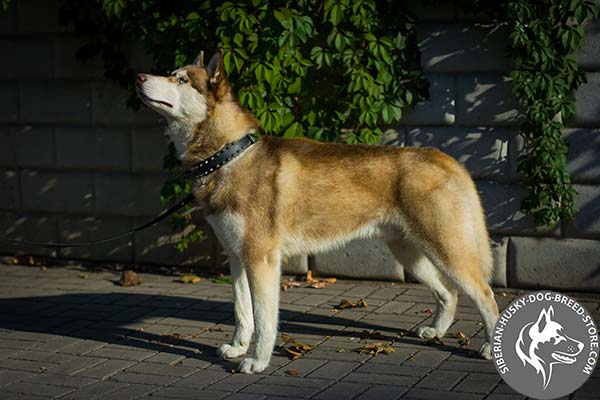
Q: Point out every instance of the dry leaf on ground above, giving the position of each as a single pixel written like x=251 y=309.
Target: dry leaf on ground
x=345 y=303
x=375 y=349
x=307 y=281
x=193 y=279
x=462 y=338
x=426 y=310
x=435 y=340
x=294 y=349
x=130 y=278
x=83 y=276
x=292 y=372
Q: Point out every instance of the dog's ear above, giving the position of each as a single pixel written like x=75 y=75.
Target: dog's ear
x=544 y=318
x=199 y=60
x=215 y=68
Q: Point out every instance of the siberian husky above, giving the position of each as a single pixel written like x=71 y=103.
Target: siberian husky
x=283 y=197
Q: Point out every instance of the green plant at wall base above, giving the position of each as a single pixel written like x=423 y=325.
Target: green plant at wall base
x=331 y=70
x=545 y=76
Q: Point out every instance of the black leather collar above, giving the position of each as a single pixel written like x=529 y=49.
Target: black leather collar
x=220 y=158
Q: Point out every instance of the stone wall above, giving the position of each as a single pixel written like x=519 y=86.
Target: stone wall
x=75 y=164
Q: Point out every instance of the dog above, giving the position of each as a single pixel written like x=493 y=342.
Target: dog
x=543 y=344
x=285 y=197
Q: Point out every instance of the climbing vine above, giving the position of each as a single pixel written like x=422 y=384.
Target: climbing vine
x=545 y=76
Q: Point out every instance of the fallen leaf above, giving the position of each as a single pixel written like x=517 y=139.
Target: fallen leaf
x=83 y=276
x=287 y=338
x=307 y=281
x=341 y=350
x=130 y=278
x=462 y=338
x=426 y=310
x=193 y=279
x=345 y=303
x=292 y=372
x=435 y=340
x=375 y=349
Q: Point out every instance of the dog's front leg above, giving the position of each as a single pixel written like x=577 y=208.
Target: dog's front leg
x=242 y=301
x=263 y=277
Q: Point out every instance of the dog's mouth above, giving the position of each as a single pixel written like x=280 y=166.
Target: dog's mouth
x=150 y=99
x=563 y=358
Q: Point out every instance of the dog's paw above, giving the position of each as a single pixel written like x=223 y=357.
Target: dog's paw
x=229 y=351
x=252 y=366
x=485 y=351
x=427 y=332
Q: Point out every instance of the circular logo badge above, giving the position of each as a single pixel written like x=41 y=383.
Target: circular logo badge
x=545 y=345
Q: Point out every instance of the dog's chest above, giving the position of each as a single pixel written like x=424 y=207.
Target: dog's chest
x=228 y=226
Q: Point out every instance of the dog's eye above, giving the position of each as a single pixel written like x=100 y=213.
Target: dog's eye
x=182 y=80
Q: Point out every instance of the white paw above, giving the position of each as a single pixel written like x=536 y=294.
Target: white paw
x=427 y=332
x=229 y=351
x=485 y=351
x=252 y=365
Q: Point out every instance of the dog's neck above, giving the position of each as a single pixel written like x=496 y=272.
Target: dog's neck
x=226 y=123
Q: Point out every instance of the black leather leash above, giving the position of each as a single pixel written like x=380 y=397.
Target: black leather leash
x=200 y=169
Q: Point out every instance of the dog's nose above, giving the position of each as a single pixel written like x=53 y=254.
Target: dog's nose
x=141 y=78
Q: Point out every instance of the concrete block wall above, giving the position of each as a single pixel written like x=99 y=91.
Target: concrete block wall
x=75 y=164
x=473 y=116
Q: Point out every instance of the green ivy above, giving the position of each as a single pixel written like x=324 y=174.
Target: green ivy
x=545 y=76
x=330 y=70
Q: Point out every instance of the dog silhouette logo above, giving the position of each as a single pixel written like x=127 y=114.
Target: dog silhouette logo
x=545 y=345
x=542 y=344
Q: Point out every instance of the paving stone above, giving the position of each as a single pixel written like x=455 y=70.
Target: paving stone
x=123 y=354
x=8 y=377
x=203 y=378
x=234 y=382
x=441 y=380
x=167 y=370
x=37 y=389
x=277 y=390
x=94 y=390
x=105 y=369
x=381 y=379
x=382 y=393
x=130 y=392
x=302 y=366
x=386 y=369
x=60 y=380
x=478 y=383
x=188 y=393
x=341 y=391
x=427 y=358
x=428 y=394
x=75 y=365
x=334 y=370
x=146 y=379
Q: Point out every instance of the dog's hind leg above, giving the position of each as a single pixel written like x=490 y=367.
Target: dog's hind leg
x=415 y=262
x=244 y=322
x=264 y=281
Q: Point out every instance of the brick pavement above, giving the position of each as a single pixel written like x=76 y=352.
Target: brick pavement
x=65 y=337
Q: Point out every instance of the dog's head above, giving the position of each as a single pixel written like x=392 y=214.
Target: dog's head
x=544 y=343
x=189 y=93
